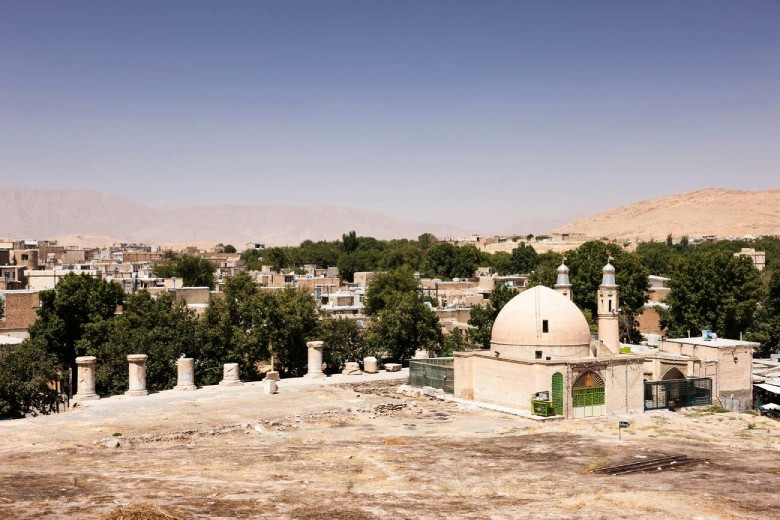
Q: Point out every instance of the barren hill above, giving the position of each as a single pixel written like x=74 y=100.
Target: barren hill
x=717 y=212
x=73 y=215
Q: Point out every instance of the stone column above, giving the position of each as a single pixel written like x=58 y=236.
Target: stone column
x=230 y=375
x=370 y=365
x=315 y=360
x=86 y=379
x=185 y=369
x=137 y=366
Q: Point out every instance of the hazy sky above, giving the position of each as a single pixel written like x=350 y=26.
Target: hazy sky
x=494 y=116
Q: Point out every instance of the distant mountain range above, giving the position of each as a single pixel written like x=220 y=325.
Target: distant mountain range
x=92 y=218
x=717 y=212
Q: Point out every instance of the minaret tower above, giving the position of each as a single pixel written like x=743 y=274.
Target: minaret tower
x=608 y=305
x=562 y=284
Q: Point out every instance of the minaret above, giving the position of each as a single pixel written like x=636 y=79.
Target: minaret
x=608 y=305
x=562 y=284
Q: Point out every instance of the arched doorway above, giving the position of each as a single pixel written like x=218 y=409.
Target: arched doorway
x=557 y=393
x=588 y=395
x=674 y=388
x=673 y=373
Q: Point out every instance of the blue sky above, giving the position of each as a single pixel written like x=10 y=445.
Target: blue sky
x=494 y=116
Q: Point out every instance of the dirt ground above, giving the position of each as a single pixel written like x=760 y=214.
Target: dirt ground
x=363 y=451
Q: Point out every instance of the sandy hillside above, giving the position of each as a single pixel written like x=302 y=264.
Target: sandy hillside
x=717 y=212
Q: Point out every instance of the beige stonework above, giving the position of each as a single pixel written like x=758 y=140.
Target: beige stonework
x=315 y=349
x=85 y=391
x=137 y=371
x=185 y=368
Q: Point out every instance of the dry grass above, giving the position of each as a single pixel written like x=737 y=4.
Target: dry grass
x=142 y=511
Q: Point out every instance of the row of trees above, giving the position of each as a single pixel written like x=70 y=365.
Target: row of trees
x=427 y=255
x=246 y=325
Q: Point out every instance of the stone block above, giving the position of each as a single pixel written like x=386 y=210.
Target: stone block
x=370 y=365
x=351 y=368
x=270 y=387
x=393 y=367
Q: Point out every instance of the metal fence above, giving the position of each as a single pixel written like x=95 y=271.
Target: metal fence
x=433 y=372
x=694 y=391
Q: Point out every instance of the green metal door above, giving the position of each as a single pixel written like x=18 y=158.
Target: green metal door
x=588 y=402
x=557 y=393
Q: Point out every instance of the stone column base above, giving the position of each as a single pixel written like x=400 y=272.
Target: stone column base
x=137 y=393
x=320 y=375
x=230 y=383
x=85 y=397
x=185 y=387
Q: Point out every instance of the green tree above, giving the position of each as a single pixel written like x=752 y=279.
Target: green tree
x=235 y=328
x=501 y=263
x=26 y=373
x=343 y=342
x=655 y=256
x=404 y=325
x=196 y=271
x=230 y=248
x=193 y=270
x=383 y=287
x=350 y=242
x=401 y=253
x=2 y=308
x=712 y=290
x=524 y=259
x=248 y=325
x=426 y=240
x=455 y=341
x=766 y=327
x=65 y=311
x=158 y=327
x=546 y=271
x=483 y=316
x=585 y=271
x=448 y=261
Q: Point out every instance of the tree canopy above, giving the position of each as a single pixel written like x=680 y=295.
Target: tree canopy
x=712 y=289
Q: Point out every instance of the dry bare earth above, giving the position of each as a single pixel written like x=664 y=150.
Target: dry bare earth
x=717 y=212
x=336 y=453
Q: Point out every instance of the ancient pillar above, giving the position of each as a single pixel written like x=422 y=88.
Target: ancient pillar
x=185 y=369
x=370 y=365
x=86 y=379
x=230 y=375
x=137 y=366
x=315 y=360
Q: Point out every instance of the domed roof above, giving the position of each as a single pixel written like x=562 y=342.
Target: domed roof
x=608 y=278
x=521 y=321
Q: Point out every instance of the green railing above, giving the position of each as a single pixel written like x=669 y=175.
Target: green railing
x=674 y=393
x=543 y=408
x=433 y=372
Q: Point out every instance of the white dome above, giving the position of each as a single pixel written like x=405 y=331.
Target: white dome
x=522 y=321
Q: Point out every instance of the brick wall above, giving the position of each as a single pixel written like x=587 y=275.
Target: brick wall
x=20 y=310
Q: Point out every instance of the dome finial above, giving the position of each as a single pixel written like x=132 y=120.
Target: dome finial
x=608 y=273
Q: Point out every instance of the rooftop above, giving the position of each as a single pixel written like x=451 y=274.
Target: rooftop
x=715 y=343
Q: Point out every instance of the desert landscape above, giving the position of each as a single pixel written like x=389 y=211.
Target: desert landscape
x=360 y=450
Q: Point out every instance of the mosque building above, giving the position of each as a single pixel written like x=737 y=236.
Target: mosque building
x=542 y=354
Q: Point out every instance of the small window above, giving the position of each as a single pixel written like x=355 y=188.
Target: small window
x=25 y=258
x=538 y=354
x=545 y=326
